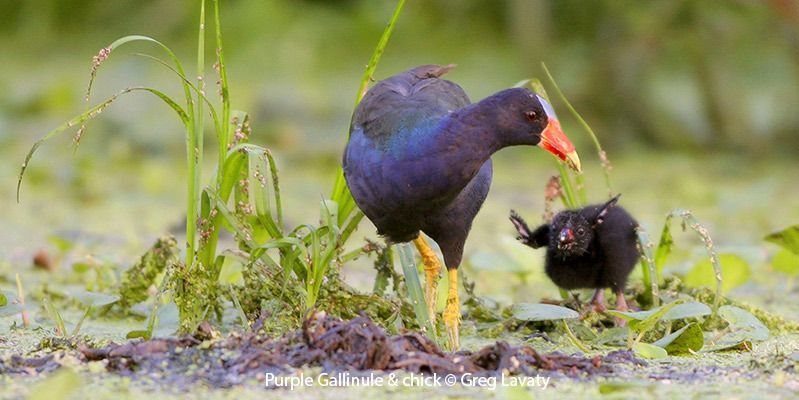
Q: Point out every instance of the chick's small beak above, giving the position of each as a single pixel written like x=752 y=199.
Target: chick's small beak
x=565 y=236
x=555 y=141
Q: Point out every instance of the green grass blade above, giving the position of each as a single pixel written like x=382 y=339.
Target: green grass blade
x=106 y=52
x=573 y=338
x=184 y=117
x=211 y=109
x=89 y=114
x=275 y=188
x=606 y=167
x=224 y=88
x=194 y=150
x=234 y=298
x=76 y=329
x=650 y=275
x=230 y=170
x=61 y=329
x=341 y=193
x=352 y=225
x=569 y=197
x=664 y=247
x=240 y=229
x=414 y=287
x=191 y=131
x=259 y=193
x=381 y=46
x=570 y=188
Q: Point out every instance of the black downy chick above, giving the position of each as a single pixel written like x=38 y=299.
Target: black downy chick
x=592 y=247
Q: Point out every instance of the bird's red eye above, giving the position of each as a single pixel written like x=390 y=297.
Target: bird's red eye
x=531 y=115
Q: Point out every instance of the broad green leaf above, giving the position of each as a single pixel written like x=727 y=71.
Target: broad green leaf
x=726 y=342
x=613 y=336
x=232 y=271
x=743 y=324
x=678 y=311
x=542 y=312
x=787 y=238
x=687 y=310
x=231 y=170
x=650 y=351
x=59 y=385
x=689 y=338
x=786 y=261
x=168 y=320
x=642 y=315
x=3 y=299
x=735 y=272
x=633 y=315
x=142 y=333
x=649 y=322
x=94 y=299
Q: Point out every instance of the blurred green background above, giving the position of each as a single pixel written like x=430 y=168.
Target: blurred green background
x=695 y=102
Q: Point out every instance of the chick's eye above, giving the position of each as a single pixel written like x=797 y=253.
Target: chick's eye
x=531 y=115
x=581 y=231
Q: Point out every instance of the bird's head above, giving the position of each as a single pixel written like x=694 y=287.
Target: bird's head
x=529 y=119
x=571 y=233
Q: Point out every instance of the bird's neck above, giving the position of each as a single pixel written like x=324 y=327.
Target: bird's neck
x=472 y=134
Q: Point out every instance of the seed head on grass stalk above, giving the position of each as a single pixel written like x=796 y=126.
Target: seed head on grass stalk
x=666 y=242
x=191 y=115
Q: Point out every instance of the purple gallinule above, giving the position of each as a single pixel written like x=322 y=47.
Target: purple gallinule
x=419 y=159
x=594 y=247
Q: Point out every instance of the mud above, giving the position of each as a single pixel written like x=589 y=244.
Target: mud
x=334 y=345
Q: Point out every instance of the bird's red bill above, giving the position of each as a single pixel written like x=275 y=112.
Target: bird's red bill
x=555 y=141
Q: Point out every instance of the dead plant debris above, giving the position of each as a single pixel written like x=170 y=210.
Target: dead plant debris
x=335 y=345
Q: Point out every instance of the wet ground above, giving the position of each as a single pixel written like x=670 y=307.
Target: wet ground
x=75 y=202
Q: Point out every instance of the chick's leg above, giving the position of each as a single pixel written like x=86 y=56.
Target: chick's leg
x=432 y=268
x=598 y=300
x=452 y=312
x=621 y=305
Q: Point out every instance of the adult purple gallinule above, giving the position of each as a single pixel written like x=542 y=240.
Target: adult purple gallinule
x=419 y=159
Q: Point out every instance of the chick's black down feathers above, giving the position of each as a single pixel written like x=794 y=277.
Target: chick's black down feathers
x=591 y=247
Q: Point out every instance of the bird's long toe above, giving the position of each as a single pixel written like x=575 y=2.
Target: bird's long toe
x=452 y=312
x=432 y=268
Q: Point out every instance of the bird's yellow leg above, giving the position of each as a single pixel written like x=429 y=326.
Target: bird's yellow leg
x=432 y=268
x=452 y=312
